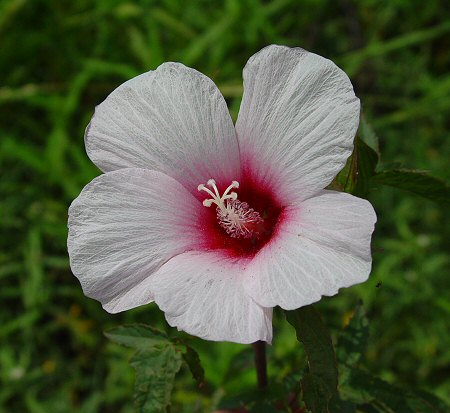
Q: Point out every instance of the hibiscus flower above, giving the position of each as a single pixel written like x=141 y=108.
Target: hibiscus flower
x=219 y=223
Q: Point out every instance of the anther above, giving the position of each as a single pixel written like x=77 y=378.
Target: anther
x=235 y=217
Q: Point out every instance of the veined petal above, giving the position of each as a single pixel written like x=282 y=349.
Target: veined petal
x=173 y=120
x=321 y=246
x=297 y=121
x=201 y=293
x=122 y=227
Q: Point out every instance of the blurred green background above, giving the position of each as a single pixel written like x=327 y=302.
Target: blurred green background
x=60 y=58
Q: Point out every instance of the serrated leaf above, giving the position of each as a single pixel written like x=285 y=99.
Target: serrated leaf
x=192 y=359
x=320 y=384
x=154 y=346
x=314 y=335
x=315 y=393
x=359 y=169
x=343 y=182
x=353 y=340
x=366 y=163
x=155 y=374
x=368 y=135
x=417 y=182
x=138 y=336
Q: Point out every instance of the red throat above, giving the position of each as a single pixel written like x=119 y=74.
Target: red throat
x=262 y=200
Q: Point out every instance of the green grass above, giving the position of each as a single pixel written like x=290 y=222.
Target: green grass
x=58 y=59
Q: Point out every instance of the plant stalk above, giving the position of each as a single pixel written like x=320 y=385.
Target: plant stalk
x=259 y=349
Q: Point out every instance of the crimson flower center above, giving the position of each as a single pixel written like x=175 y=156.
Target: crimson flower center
x=239 y=228
x=237 y=218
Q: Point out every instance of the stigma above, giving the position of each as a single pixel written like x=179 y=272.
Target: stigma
x=235 y=217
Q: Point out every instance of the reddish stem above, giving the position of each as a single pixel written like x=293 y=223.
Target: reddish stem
x=260 y=363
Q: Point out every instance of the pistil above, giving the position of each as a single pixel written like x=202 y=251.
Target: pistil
x=235 y=217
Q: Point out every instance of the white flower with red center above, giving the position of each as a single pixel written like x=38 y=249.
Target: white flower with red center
x=219 y=223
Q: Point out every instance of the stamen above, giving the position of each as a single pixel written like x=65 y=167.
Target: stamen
x=234 y=216
x=216 y=199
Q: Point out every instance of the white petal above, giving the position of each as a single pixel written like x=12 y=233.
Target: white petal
x=123 y=226
x=321 y=246
x=202 y=294
x=297 y=121
x=173 y=120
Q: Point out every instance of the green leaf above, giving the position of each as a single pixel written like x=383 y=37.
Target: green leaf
x=314 y=335
x=157 y=360
x=366 y=162
x=431 y=399
x=155 y=374
x=371 y=393
x=416 y=182
x=368 y=135
x=362 y=388
x=341 y=406
x=273 y=395
x=353 y=340
x=138 y=336
x=360 y=167
x=192 y=359
x=320 y=384
x=315 y=393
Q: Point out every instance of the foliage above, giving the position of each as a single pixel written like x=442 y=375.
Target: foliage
x=59 y=59
x=333 y=381
x=319 y=385
x=156 y=361
x=417 y=182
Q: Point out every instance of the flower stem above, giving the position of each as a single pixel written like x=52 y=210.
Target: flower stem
x=260 y=363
